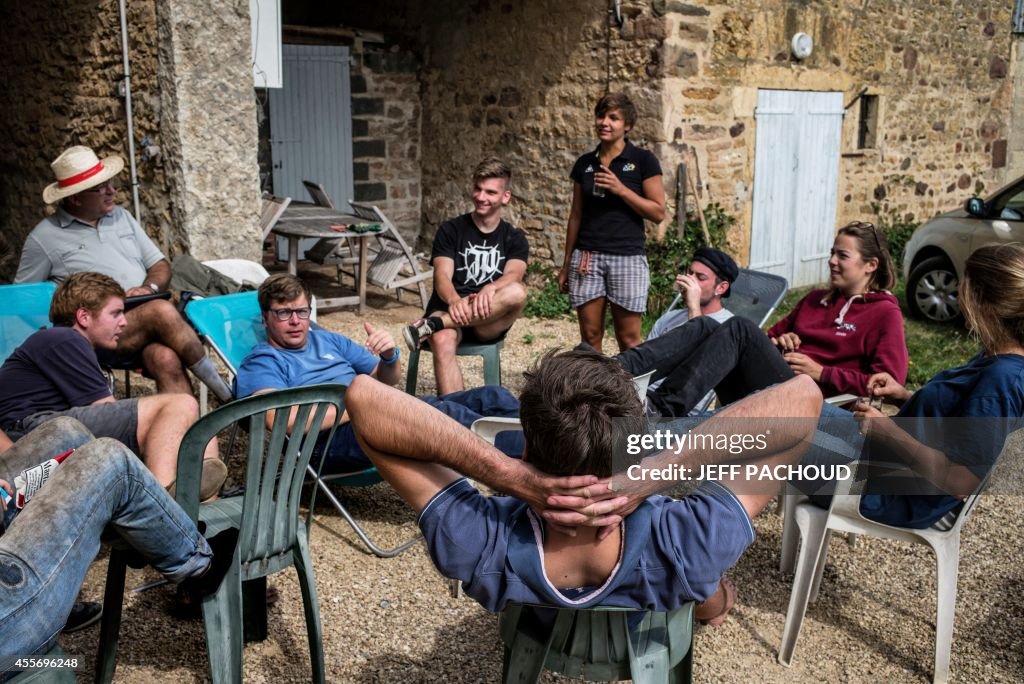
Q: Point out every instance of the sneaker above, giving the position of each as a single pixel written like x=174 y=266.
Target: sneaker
x=83 y=614
x=223 y=547
x=416 y=333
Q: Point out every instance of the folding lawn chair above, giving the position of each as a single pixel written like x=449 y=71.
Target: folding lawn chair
x=231 y=326
x=26 y=310
x=754 y=296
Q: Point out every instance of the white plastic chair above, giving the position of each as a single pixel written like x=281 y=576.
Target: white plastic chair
x=816 y=525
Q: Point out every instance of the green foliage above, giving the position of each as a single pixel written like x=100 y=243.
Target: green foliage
x=667 y=257
x=897 y=230
x=543 y=299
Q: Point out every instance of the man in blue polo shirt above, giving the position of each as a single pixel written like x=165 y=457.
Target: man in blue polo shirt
x=664 y=553
x=295 y=355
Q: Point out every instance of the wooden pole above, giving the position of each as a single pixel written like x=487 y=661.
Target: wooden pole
x=696 y=202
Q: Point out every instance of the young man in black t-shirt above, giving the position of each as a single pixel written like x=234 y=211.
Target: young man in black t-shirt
x=479 y=263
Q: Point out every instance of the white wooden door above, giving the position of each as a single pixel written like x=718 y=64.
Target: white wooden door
x=796 y=176
x=311 y=126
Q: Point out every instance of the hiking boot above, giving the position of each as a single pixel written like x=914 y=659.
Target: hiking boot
x=83 y=614
x=416 y=333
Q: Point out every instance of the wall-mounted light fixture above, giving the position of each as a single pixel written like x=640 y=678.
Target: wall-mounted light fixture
x=802 y=45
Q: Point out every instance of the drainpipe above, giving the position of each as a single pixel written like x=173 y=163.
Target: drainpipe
x=127 y=94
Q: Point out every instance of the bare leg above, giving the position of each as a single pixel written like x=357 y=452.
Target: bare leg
x=159 y=321
x=506 y=306
x=165 y=367
x=627 y=327
x=591 y=320
x=443 y=344
x=505 y=309
x=163 y=421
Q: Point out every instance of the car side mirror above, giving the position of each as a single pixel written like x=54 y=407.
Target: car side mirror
x=975 y=206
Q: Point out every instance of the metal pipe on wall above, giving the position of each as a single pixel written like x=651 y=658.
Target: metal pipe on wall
x=128 y=107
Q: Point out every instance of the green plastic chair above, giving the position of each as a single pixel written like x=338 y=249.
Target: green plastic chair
x=597 y=644
x=271 y=537
x=489 y=351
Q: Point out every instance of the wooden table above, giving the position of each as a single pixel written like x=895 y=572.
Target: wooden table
x=311 y=221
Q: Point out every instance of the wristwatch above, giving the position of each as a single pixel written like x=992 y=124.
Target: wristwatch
x=153 y=286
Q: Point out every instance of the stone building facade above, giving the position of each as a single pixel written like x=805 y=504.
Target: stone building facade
x=928 y=89
x=520 y=79
x=193 y=116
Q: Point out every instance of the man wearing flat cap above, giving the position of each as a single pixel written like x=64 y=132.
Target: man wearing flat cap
x=89 y=232
x=704 y=283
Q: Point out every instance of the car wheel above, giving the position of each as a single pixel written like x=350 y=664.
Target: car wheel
x=932 y=291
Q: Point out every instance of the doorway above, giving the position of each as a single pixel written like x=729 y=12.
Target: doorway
x=796 y=177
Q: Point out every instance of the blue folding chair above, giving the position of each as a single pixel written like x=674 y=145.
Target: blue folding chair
x=231 y=325
x=26 y=310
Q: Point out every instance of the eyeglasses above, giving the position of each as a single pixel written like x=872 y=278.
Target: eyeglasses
x=286 y=314
x=111 y=185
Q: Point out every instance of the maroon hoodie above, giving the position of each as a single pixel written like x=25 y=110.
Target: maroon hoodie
x=852 y=338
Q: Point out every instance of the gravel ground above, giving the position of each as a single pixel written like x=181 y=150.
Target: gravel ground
x=394 y=619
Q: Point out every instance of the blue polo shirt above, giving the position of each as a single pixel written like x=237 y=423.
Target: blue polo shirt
x=673 y=551
x=608 y=224
x=327 y=358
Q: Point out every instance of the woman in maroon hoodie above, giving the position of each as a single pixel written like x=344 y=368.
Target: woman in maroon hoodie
x=844 y=335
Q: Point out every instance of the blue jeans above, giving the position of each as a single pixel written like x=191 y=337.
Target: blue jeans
x=47 y=548
x=734 y=358
x=346 y=456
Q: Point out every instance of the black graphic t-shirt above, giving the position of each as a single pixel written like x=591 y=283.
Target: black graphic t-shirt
x=479 y=258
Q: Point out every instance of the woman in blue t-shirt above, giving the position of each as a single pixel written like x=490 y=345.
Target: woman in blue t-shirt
x=954 y=456
x=615 y=188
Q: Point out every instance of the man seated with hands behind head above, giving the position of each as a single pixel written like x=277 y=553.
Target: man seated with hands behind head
x=664 y=553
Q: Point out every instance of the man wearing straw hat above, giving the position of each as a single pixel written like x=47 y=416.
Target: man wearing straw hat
x=88 y=232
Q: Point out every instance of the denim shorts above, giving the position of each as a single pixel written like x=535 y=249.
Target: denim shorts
x=623 y=280
x=118 y=420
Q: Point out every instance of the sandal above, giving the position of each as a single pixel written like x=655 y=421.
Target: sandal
x=213 y=477
x=729 y=592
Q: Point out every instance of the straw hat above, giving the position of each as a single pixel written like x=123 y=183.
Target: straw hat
x=77 y=169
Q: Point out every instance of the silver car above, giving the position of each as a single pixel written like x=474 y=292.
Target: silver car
x=935 y=254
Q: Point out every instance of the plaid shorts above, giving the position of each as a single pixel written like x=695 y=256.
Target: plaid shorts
x=623 y=280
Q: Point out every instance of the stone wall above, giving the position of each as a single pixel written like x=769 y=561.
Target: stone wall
x=386 y=133
x=941 y=73
x=209 y=128
x=60 y=71
x=520 y=80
